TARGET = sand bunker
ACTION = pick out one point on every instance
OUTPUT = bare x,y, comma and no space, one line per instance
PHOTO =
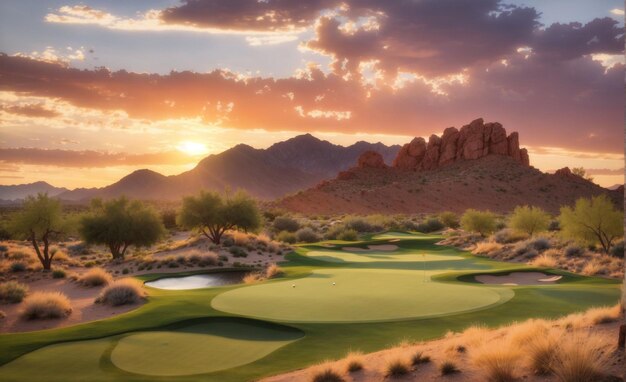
519,278
381,247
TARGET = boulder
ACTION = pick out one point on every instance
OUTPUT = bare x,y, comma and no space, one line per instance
447,152
431,157
371,159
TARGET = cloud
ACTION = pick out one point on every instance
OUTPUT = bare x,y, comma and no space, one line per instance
30,110
617,11
605,171
87,158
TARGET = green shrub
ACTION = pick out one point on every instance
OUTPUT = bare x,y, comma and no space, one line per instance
285,223
12,292
481,222
430,225
238,251
530,220
449,219
359,224
287,237
618,250
17,266
348,235
307,235
573,251
58,273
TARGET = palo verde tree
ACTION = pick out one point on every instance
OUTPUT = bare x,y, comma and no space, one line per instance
40,222
594,220
212,214
120,223
482,222
529,219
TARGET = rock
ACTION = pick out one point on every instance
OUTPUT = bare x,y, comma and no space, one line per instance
345,175
566,173
447,152
371,159
620,189
473,141
431,157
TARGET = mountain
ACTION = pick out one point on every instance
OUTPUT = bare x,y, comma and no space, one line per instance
283,168
478,166
21,191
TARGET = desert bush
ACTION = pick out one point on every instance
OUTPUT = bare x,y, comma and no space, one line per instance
430,225
448,367
397,367
603,315
544,261
58,273
46,305
17,266
358,224
326,374
450,219
237,251
529,219
273,271
227,241
208,259
554,226
486,247
498,363
354,362
12,292
253,277
95,277
618,250
168,218
507,235
241,238
307,235
592,221
348,235
285,223
121,292
579,358
573,251
481,222
540,244
419,358
287,237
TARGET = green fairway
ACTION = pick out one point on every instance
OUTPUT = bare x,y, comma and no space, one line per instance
357,296
418,291
199,348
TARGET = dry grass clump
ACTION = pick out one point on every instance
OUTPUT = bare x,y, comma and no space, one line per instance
95,277
540,351
593,267
521,333
253,277
121,292
487,247
354,361
273,271
544,261
241,239
498,363
203,259
447,367
419,358
46,305
579,358
12,292
397,366
603,315
474,335
325,373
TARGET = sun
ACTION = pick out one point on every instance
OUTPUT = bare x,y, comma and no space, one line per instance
192,148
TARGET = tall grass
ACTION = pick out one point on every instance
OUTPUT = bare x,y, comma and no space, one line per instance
579,358
95,277
498,363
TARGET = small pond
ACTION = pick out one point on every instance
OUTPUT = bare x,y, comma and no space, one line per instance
206,280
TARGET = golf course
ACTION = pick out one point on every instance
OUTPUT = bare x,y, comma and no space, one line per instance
334,297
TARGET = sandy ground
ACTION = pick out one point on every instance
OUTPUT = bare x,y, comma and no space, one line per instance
381,247
444,349
518,278
81,298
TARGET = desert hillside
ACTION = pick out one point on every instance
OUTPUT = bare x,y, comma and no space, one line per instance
477,167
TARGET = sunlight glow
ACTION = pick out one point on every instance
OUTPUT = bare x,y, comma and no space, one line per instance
192,148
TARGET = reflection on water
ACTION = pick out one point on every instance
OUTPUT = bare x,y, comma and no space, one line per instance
198,281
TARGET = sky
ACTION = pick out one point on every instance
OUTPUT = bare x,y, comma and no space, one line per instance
91,91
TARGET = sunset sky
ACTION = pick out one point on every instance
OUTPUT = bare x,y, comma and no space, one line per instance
92,90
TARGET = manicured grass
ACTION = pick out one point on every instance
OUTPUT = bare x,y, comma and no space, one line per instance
95,353
200,347
357,296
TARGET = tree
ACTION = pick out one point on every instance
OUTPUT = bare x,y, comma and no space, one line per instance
482,222
580,171
40,222
212,214
530,220
594,220
120,223
449,219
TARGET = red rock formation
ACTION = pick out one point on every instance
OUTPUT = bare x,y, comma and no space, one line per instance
371,159
473,141
566,173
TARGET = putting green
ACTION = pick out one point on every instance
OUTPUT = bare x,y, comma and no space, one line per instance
358,296
402,236
200,348
372,256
